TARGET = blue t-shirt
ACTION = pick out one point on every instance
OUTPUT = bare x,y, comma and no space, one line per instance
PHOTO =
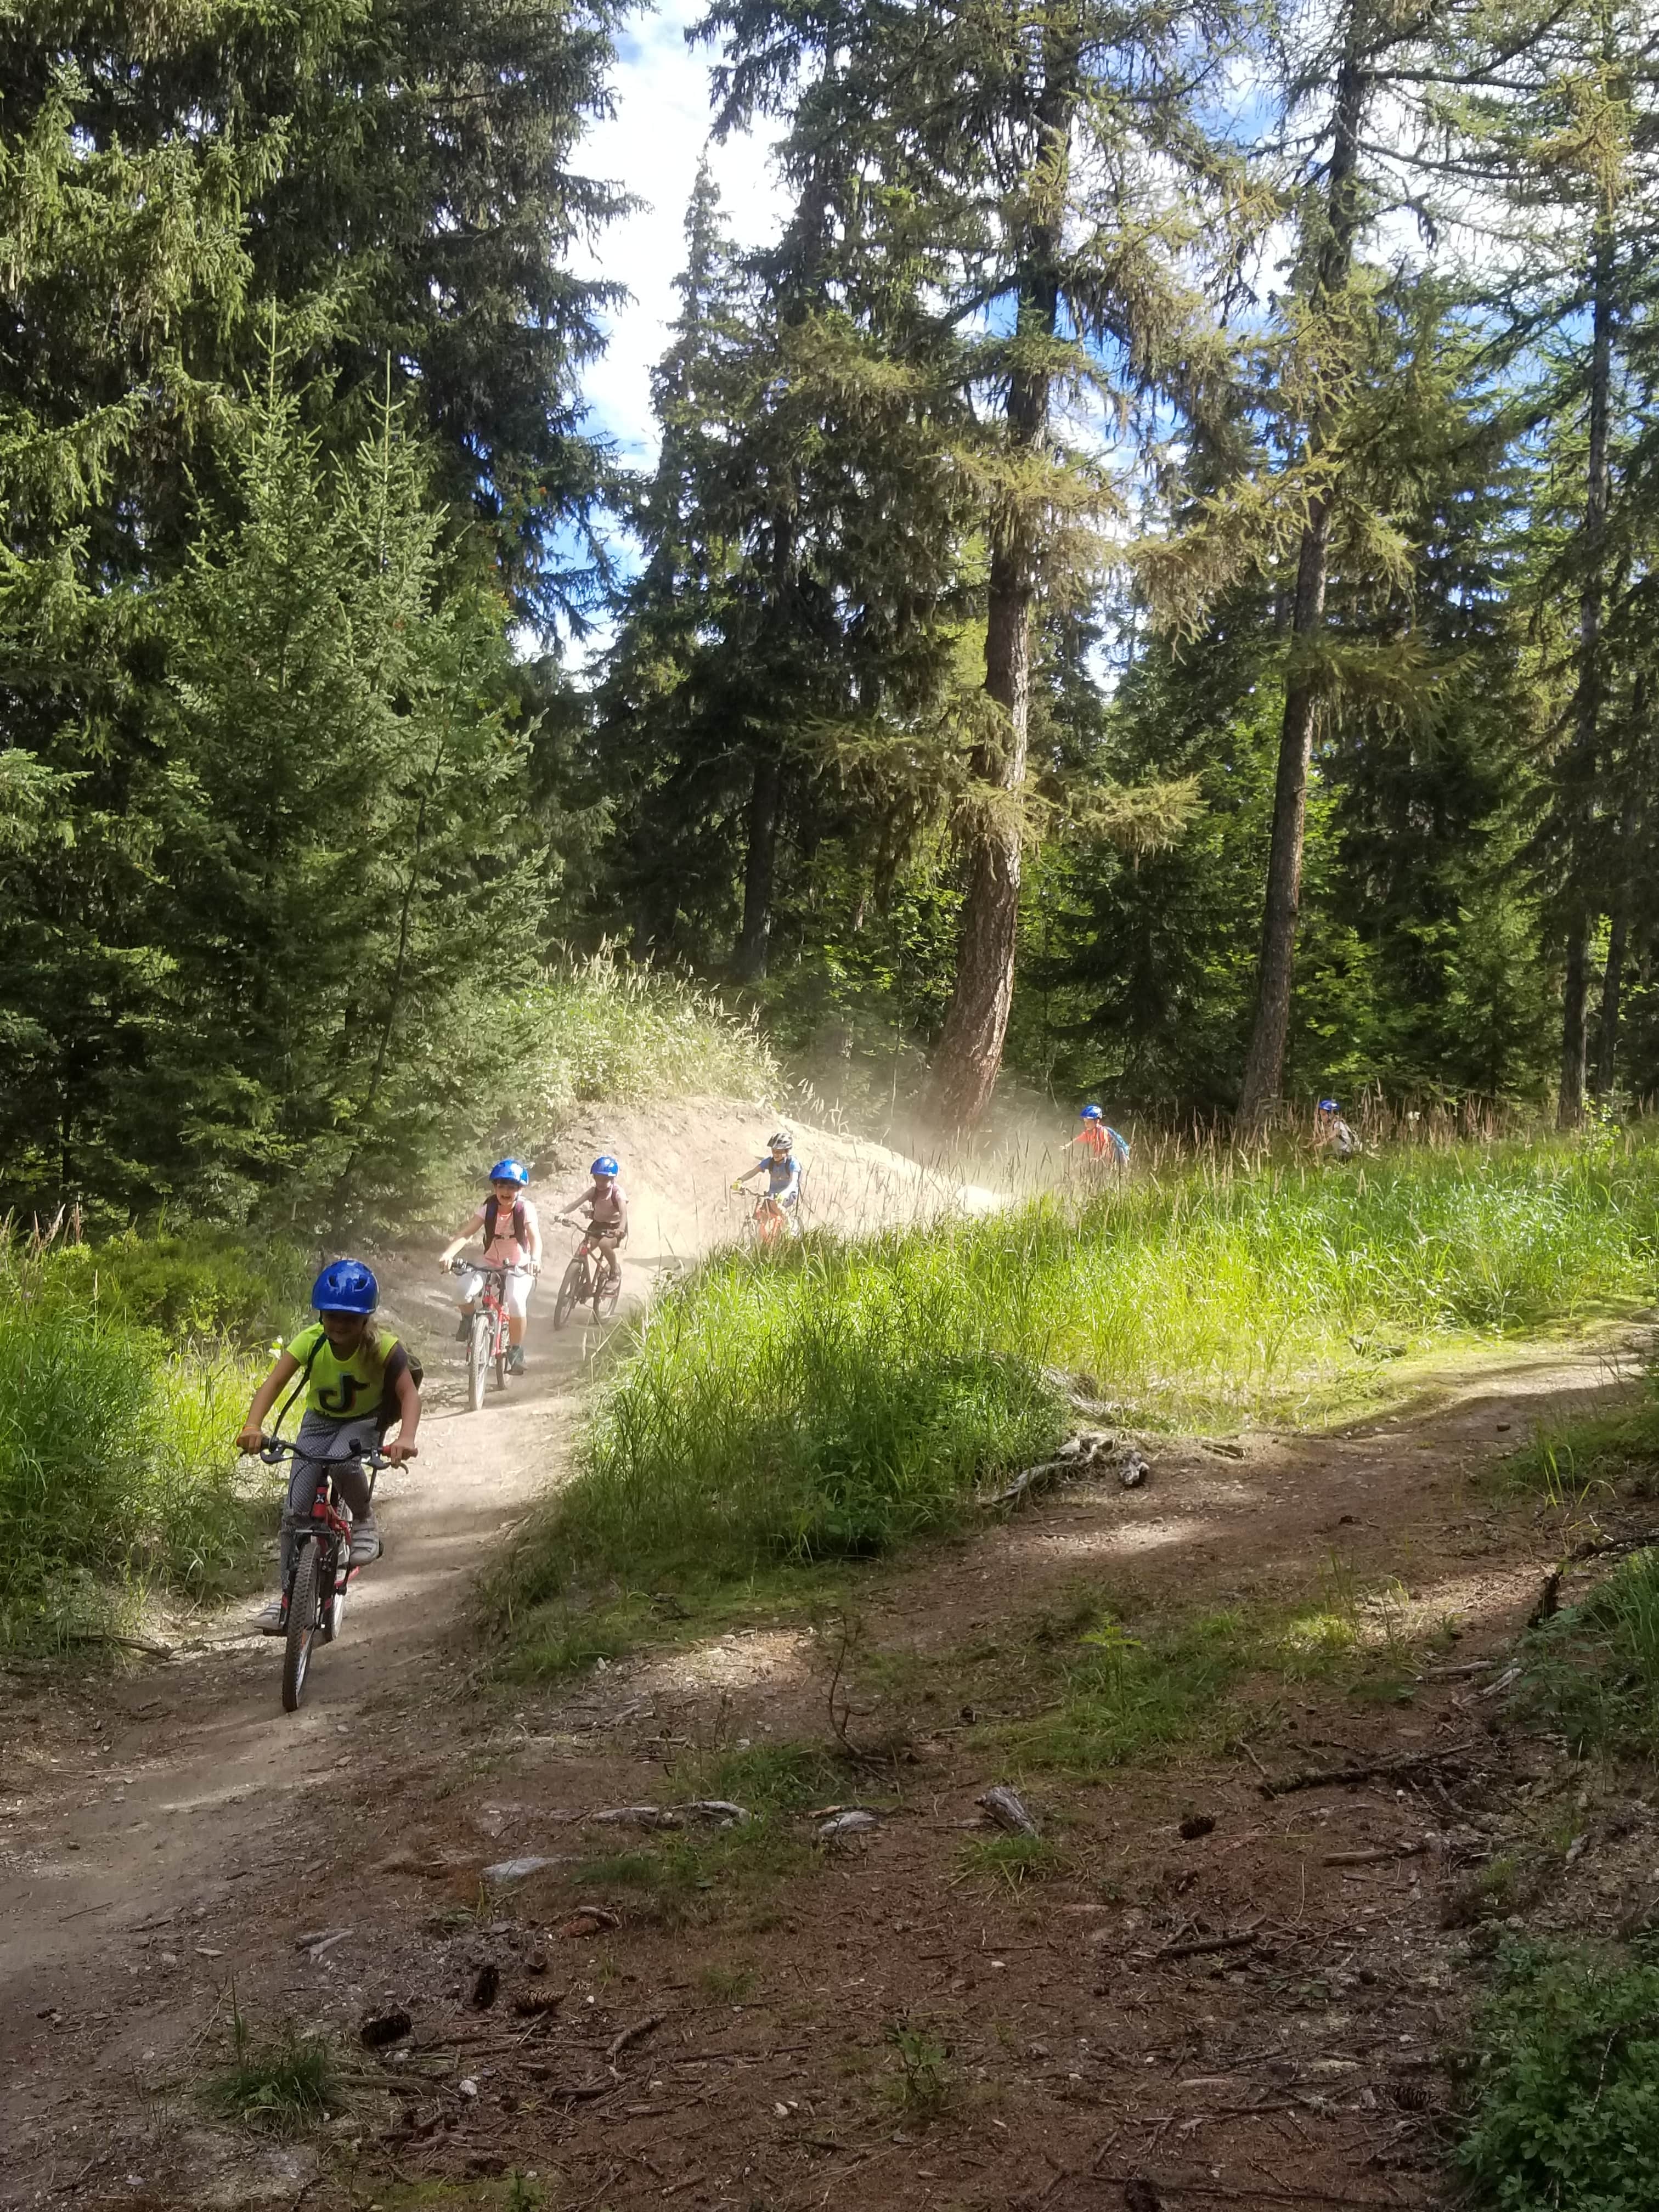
782,1177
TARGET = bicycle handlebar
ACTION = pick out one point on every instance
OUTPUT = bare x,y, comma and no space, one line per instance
274,1449
490,1267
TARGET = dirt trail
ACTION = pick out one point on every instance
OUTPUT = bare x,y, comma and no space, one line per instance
123,1798
171,1827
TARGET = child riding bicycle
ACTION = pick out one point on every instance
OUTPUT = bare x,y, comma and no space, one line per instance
357,1382
607,1216
511,1238
782,1172
1099,1139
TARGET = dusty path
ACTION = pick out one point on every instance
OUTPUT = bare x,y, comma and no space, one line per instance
123,1795
171,1829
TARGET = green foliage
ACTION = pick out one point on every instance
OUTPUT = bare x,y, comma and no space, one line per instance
1565,2095
1592,1672
924,2084
286,2084
205,1286
841,1397
1125,1696
115,1465
1011,1859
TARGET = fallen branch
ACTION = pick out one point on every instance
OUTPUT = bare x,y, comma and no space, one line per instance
1198,1945
1375,1856
1321,1777
128,1643
620,2041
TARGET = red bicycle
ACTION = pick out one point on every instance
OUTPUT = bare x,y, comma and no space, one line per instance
320,1572
586,1278
487,1340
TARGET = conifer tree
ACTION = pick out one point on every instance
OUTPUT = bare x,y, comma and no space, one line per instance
1028,192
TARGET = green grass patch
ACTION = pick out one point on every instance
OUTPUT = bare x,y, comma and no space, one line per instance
285,2084
1592,1672
1011,1859
1568,1461
116,1470
1565,2089
695,1873
834,1402
1124,1697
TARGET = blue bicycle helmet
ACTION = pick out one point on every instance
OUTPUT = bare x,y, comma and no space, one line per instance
345,1287
604,1165
1330,1106
510,1171
1089,1114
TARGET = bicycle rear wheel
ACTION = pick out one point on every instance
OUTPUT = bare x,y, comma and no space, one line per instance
304,1618
573,1287
478,1360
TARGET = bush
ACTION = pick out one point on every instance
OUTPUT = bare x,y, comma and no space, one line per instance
1565,2105
205,1286
115,1460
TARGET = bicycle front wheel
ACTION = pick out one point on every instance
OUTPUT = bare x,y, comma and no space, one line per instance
573,1287
478,1360
304,1616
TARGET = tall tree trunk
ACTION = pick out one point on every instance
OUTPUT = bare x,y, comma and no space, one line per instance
1613,983
1264,1064
969,1053
1578,799
760,868
970,1049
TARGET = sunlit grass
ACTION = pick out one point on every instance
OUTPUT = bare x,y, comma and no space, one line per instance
838,1399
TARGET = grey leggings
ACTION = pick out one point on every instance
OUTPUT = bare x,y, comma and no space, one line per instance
322,1448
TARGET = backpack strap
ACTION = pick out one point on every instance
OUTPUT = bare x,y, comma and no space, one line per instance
304,1378
492,1214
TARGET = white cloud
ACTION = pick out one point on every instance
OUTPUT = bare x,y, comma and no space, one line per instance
651,148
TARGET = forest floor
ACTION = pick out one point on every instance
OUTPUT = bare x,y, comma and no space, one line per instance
1187,1991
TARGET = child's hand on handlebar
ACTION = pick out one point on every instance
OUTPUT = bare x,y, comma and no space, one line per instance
398,1451
249,1438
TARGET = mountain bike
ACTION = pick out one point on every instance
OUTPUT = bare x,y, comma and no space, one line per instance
487,1340
768,1225
586,1279
320,1572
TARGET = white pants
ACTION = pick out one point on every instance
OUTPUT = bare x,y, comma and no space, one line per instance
519,1281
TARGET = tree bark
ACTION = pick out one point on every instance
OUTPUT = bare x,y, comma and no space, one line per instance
1579,795
969,1053
1264,1065
760,869
1612,981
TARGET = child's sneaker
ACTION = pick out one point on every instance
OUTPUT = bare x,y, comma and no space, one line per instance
272,1619
365,1541
515,1360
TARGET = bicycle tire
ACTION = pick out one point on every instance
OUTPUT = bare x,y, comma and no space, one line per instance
302,1625
478,1361
570,1289
606,1292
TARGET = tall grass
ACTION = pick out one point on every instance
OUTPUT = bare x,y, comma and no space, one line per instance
842,1396
602,1028
116,1467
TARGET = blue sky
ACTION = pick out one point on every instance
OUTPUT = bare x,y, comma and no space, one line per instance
651,148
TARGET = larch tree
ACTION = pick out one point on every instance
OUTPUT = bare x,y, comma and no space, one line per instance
1032,180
